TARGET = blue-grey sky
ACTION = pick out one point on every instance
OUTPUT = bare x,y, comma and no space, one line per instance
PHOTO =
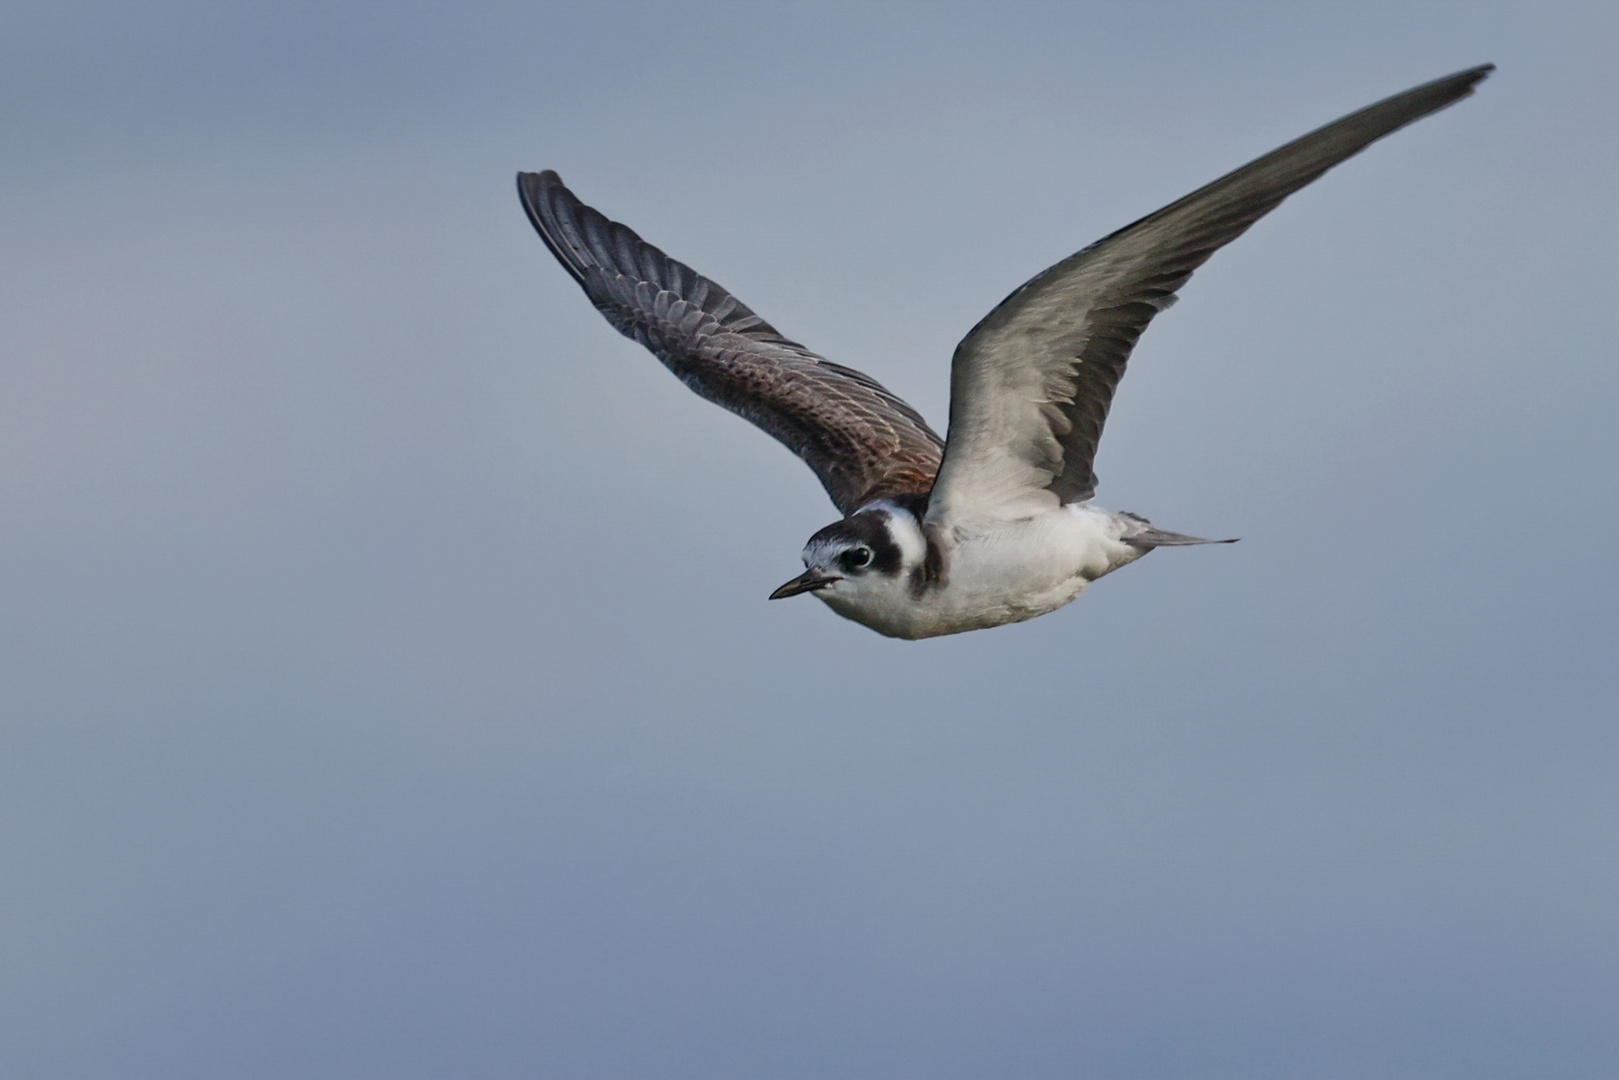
387,687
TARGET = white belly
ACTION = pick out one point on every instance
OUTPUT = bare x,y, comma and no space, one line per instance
1008,573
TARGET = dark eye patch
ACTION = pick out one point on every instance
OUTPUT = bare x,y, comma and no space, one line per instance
865,538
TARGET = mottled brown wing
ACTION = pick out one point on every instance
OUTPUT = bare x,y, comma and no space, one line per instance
1031,383
861,440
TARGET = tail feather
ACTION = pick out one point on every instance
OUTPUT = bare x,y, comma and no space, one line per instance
1147,536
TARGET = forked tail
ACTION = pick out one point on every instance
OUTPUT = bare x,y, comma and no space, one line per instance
1146,536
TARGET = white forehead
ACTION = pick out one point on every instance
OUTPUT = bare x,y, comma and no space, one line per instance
825,550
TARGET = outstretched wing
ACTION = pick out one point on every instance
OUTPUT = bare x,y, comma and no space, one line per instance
1030,385
861,440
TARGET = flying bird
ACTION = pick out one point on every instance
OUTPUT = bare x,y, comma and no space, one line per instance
993,524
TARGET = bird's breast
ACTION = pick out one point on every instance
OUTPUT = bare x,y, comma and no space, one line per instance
996,575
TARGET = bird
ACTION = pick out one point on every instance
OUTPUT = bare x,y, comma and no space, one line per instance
995,523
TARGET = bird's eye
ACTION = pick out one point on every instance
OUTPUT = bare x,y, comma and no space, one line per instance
856,558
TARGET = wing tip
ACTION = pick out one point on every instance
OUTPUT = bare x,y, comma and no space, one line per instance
551,209
1452,88
532,189
538,181
1470,78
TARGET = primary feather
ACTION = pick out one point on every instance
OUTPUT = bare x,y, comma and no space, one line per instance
1030,385
860,439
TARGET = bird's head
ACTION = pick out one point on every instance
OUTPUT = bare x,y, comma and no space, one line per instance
867,556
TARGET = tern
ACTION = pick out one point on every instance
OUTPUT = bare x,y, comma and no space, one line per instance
995,523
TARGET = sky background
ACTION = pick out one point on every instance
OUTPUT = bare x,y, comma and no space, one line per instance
387,687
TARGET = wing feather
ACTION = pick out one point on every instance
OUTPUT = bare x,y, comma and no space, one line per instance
1031,384
863,441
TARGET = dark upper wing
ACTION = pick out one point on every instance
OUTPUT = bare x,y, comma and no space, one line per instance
1031,383
862,441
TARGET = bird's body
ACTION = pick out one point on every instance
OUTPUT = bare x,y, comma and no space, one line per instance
1004,572
994,525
